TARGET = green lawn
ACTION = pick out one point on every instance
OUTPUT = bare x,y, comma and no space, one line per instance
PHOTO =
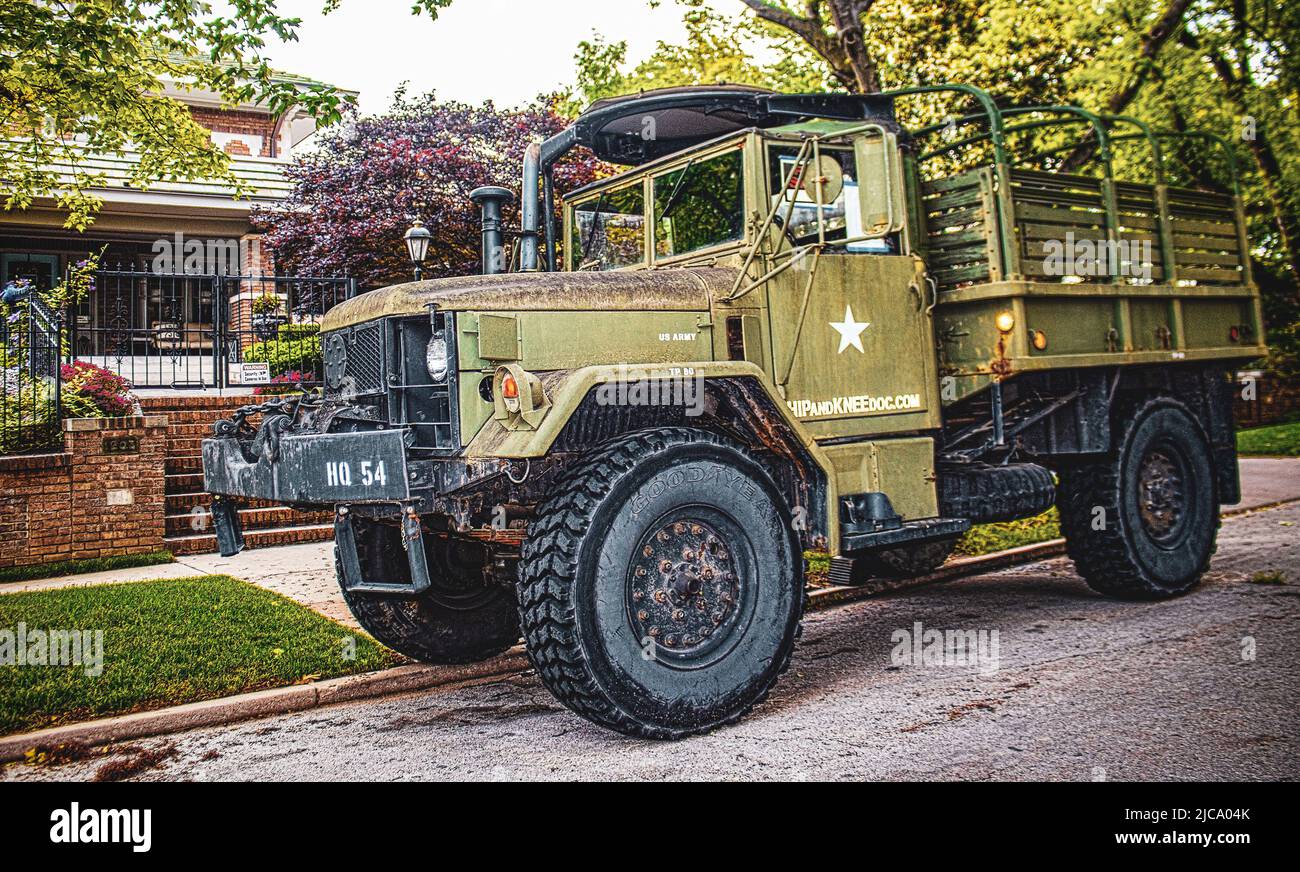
169,642
987,538
77,567
1276,439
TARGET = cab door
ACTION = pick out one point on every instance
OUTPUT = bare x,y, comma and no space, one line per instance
852,339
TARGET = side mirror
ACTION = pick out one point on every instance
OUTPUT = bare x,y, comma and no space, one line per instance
880,184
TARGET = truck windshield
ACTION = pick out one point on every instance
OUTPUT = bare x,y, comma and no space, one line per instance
609,230
700,205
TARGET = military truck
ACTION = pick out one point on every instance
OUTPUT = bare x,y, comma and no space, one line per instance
789,325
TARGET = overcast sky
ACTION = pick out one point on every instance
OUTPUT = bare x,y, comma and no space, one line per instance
506,50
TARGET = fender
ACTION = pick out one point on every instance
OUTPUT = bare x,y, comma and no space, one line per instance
565,390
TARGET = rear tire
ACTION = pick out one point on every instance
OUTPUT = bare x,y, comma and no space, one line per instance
1141,525
661,587
462,618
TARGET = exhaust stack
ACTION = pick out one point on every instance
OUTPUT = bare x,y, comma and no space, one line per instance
490,199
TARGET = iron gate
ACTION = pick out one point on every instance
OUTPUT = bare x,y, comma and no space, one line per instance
205,331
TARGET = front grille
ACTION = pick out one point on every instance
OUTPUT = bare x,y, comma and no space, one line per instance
366,357
381,364
354,360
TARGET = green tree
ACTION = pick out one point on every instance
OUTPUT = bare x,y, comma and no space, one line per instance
718,49
87,77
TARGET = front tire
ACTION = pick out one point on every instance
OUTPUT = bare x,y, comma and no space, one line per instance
1141,525
461,618
661,587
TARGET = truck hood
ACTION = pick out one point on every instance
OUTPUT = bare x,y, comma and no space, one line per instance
637,290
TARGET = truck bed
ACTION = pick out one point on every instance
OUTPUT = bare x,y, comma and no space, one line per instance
1176,286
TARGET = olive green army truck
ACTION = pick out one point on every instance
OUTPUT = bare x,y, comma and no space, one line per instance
790,325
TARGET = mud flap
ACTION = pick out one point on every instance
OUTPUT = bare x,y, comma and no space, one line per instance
350,566
225,522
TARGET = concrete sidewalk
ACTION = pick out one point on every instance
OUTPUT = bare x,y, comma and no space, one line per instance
305,573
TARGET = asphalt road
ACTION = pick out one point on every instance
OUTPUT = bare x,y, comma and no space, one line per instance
1203,687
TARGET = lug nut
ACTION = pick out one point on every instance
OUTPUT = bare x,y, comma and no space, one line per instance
642,615
660,596
679,615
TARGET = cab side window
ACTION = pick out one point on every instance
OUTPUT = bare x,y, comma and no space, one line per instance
609,230
842,218
700,205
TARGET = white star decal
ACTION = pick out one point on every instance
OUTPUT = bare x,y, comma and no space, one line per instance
850,331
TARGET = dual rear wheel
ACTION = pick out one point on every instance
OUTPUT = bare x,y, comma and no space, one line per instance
1141,524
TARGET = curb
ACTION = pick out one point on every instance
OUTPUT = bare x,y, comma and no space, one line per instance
260,704
411,678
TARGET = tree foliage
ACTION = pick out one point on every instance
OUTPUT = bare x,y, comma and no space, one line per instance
717,50
357,193
87,77
1227,67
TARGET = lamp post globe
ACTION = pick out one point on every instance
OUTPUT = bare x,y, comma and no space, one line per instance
417,244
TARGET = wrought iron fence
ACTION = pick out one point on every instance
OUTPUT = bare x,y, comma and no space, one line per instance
205,331
30,363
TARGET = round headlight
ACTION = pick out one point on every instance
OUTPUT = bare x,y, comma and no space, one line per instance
435,357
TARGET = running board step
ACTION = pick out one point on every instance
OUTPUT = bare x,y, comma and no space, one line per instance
350,566
907,533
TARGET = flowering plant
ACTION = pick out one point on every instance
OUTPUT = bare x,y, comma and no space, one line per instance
91,391
288,383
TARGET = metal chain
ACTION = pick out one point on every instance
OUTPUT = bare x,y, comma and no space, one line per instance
237,424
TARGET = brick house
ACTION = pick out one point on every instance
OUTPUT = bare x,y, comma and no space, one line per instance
131,485
135,225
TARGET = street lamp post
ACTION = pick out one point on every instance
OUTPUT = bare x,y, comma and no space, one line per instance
417,244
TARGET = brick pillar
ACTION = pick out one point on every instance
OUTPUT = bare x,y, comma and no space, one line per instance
101,496
255,261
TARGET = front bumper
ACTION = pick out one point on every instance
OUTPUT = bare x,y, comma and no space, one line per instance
320,468
312,468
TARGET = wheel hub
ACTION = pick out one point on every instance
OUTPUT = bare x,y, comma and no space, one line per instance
683,588
1161,498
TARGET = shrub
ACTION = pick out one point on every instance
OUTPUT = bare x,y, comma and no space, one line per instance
91,391
289,383
267,304
296,347
27,419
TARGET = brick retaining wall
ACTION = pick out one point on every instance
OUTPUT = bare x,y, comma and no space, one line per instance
102,496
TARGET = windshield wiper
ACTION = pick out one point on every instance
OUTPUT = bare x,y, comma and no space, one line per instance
671,202
591,234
